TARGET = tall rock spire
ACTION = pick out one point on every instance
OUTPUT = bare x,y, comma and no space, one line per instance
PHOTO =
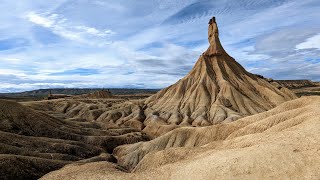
213,32
215,47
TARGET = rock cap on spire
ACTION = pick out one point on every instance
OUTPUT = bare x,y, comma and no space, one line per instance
212,20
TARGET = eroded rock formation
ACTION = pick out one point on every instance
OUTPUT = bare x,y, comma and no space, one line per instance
217,89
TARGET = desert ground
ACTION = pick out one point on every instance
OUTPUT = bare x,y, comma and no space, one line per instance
218,122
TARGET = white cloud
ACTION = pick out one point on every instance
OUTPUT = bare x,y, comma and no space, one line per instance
60,26
312,42
11,60
15,72
42,21
94,31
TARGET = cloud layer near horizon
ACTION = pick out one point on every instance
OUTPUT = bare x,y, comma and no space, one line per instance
150,43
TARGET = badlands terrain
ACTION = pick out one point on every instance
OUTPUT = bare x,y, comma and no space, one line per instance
218,122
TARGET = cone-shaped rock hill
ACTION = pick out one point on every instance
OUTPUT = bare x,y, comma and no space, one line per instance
217,89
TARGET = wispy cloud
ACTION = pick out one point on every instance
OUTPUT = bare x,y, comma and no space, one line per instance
62,27
310,43
47,22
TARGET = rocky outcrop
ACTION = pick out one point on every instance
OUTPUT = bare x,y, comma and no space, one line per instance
217,89
97,95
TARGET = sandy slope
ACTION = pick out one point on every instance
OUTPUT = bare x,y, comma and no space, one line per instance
282,143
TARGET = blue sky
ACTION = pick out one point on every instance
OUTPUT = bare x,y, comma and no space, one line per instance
150,43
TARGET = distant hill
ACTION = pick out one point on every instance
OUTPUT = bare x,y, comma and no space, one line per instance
293,84
76,91
41,93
